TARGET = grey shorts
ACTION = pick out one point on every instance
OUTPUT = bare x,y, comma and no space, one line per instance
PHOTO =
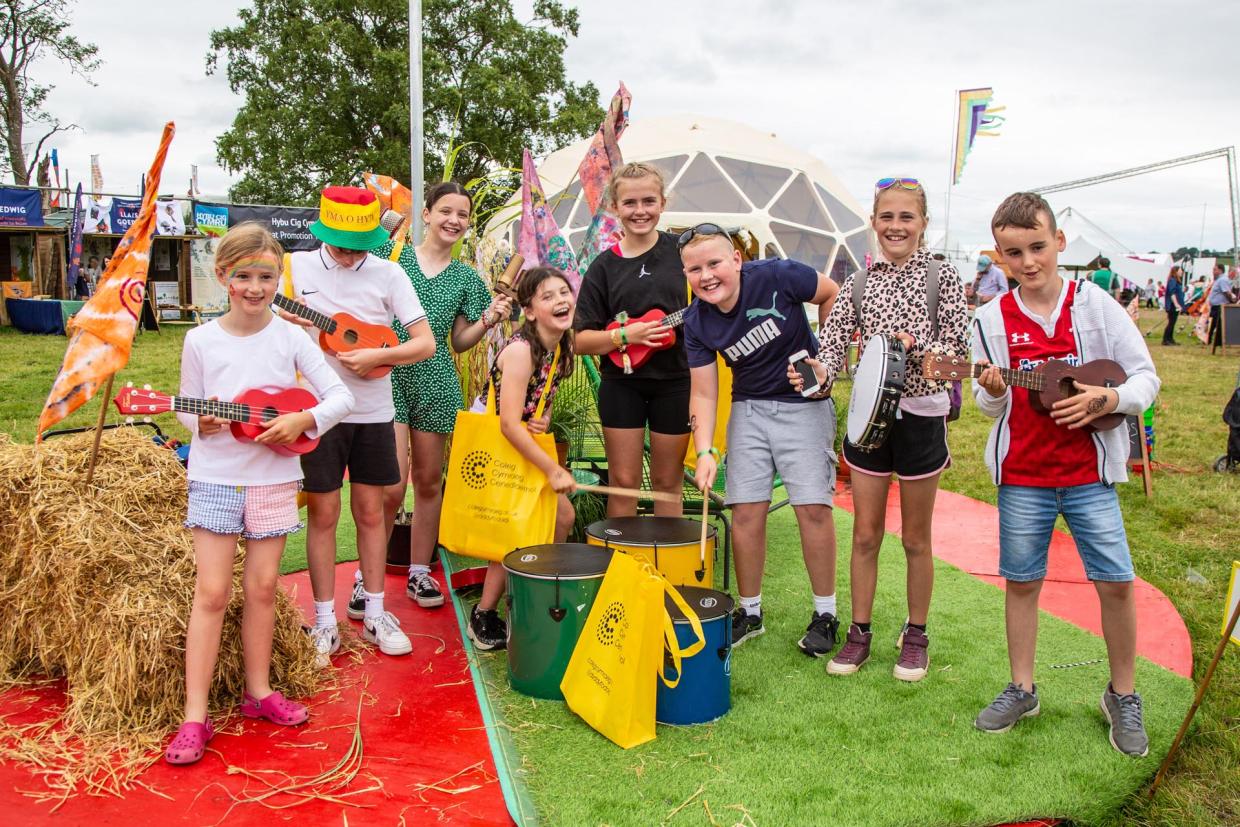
793,439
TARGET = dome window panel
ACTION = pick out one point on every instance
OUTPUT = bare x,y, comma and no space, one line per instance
798,204
845,218
759,182
668,166
859,247
844,266
810,248
771,251
562,203
703,189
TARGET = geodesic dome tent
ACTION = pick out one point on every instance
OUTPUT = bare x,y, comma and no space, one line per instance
729,174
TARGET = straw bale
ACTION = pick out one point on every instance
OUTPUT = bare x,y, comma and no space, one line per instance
96,587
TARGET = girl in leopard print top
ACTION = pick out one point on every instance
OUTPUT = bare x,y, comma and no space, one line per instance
895,304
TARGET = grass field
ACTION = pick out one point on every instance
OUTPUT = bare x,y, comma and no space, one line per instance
1193,520
863,750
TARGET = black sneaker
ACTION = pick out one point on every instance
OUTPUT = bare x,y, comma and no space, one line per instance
745,626
424,589
357,602
820,635
487,630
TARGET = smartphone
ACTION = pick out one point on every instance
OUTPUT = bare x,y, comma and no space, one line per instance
810,381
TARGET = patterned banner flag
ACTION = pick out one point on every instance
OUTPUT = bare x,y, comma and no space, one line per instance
392,195
96,177
541,242
974,117
56,170
193,181
76,226
601,159
105,326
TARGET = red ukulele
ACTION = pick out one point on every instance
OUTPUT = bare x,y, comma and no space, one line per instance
1050,382
246,412
638,355
342,332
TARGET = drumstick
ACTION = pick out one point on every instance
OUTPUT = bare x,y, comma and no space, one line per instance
661,496
705,514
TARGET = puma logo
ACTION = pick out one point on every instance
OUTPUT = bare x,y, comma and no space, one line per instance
643,271
750,315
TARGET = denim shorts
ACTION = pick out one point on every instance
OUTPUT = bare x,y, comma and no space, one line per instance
793,439
1027,518
256,512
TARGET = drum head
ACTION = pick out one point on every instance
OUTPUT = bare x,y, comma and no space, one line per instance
648,531
867,383
559,561
707,604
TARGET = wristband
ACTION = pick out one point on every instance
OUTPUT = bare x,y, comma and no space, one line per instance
487,324
615,337
624,336
712,450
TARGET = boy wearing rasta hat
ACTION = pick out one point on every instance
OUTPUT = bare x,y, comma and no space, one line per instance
341,276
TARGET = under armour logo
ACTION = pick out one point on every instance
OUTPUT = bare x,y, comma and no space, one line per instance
1020,338
643,271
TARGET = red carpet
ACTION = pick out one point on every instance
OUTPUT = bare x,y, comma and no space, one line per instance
966,534
420,726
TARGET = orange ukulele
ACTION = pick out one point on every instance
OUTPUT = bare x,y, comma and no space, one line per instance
638,355
342,332
246,413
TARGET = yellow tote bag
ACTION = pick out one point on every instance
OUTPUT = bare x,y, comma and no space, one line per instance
495,500
610,679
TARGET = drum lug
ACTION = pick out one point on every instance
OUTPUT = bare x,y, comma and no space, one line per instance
557,611
722,652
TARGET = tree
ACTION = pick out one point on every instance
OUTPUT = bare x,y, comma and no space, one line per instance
326,84
29,30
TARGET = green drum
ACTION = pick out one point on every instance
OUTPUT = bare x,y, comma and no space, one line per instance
551,589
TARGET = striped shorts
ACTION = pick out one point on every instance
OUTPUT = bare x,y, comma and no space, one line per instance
256,512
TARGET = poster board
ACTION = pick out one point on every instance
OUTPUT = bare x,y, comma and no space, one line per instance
1230,318
1233,595
205,290
167,299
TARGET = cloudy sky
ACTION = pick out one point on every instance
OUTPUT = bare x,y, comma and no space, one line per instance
1090,88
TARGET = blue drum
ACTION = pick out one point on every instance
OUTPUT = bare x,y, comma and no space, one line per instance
705,689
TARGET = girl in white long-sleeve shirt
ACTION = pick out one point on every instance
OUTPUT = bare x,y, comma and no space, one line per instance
242,488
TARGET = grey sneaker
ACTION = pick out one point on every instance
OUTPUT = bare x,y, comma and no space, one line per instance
1123,713
1006,710
357,601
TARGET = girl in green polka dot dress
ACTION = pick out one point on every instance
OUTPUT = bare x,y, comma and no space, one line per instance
427,395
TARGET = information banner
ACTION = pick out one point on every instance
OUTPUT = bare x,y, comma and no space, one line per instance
124,213
289,225
20,208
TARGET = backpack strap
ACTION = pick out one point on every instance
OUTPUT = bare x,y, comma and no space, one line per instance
858,293
932,296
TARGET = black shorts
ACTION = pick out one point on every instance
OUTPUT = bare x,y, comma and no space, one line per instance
663,404
915,448
367,449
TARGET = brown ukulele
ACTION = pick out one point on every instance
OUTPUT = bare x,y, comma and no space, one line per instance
1047,384
343,332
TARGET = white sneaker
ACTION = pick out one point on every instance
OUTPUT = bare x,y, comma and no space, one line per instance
384,632
327,642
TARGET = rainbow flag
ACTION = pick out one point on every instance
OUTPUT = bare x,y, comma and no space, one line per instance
105,326
975,117
541,242
602,158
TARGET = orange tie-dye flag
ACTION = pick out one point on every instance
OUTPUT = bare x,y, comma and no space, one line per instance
104,328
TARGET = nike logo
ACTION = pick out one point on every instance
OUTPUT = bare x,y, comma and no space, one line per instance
308,292
750,315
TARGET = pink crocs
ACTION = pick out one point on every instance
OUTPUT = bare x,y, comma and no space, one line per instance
190,742
275,708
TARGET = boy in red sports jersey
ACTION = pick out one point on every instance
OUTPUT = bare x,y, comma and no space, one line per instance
1050,465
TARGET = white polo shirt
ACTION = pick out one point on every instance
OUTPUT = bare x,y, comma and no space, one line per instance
375,291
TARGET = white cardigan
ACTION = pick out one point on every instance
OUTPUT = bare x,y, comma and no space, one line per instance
1103,330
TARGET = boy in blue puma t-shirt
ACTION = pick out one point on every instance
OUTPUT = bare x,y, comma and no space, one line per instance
752,314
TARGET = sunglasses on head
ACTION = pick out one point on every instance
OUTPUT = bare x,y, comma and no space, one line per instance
903,183
701,229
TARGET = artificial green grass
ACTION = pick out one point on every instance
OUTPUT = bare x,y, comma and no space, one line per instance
800,747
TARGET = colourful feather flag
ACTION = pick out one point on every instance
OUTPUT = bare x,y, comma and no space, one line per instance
392,195
76,226
96,177
56,169
541,243
105,326
602,158
975,117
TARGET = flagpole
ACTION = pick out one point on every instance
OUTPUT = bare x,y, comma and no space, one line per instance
416,185
951,173
103,412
